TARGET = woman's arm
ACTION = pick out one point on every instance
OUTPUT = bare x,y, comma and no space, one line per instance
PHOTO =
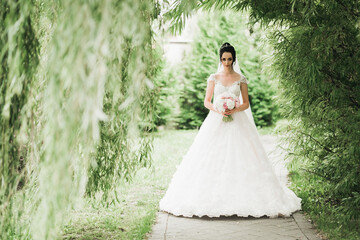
245,97
207,101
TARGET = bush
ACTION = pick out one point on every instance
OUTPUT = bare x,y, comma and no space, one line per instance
165,84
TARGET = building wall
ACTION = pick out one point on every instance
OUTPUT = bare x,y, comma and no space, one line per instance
176,46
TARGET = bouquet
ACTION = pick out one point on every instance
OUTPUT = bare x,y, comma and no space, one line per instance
226,101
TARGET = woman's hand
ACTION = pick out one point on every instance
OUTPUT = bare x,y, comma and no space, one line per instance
229,112
222,113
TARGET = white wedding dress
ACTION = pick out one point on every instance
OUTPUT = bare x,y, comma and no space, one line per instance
227,172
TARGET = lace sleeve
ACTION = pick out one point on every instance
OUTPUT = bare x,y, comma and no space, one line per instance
243,79
211,78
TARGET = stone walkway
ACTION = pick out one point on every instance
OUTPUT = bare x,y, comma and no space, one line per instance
296,227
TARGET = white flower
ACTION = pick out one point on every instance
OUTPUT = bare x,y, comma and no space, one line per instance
219,106
222,99
230,103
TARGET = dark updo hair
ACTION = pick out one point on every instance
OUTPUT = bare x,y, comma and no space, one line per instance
226,47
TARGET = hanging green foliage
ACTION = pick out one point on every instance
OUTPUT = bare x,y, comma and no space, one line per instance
129,101
19,60
76,73
90,99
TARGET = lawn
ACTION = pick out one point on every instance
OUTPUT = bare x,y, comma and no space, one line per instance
133,217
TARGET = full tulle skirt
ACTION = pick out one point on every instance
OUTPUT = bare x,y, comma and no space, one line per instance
226,171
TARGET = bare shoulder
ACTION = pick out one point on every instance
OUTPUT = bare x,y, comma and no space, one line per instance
237,76
216,75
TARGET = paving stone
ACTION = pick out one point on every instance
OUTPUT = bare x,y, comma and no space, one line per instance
222,229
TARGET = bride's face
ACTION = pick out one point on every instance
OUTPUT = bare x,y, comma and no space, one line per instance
227,60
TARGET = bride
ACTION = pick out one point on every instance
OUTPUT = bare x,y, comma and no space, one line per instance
226,170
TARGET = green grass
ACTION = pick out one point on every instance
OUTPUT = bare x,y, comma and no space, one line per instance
134,216
266,130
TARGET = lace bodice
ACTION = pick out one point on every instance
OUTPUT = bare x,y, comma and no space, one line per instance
220,88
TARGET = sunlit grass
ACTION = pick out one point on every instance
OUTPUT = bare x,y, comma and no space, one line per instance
134,216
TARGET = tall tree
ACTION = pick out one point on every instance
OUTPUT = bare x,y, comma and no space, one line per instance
88,104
